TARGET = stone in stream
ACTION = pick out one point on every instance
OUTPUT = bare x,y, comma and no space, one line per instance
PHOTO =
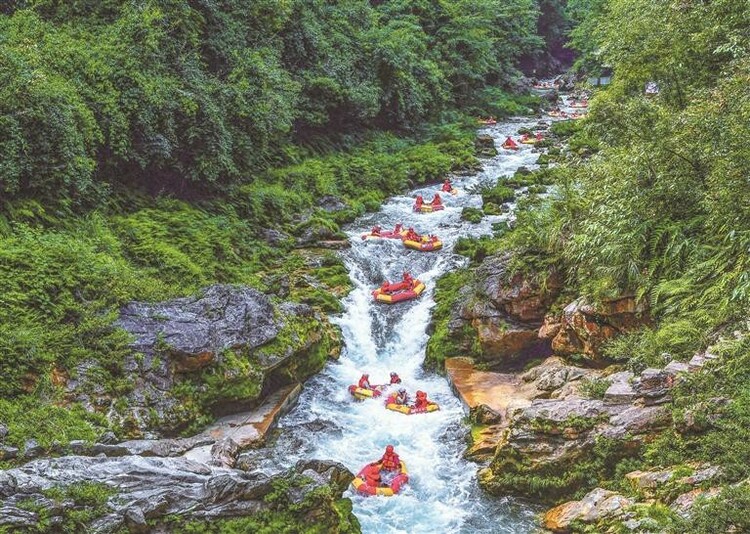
484,145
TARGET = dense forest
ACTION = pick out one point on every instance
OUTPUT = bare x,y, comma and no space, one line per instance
201,96
653,203
147,149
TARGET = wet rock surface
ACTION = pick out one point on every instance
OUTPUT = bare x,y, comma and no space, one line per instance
505,311
224,331
148,480
147,489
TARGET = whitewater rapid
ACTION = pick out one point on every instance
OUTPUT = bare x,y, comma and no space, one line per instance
442,494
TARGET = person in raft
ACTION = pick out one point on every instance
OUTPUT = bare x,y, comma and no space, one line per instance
447,186
397,228
364,381
408,279
399,397
421,402
436,201
385,287
390,460
372,475
539,136
395,379
419,201
509,142
411,235
433,238
376,230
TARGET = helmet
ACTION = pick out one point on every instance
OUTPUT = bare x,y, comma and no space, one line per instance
365,375
389,448
393,373
402,391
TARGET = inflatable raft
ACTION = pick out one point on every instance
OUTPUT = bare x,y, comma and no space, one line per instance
486,122
579,105
399,292
364,393
389,490
410,410
557,114
528,141
508,146
428,208
424,244
383,235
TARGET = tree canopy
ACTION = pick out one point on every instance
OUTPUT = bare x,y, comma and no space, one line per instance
202,95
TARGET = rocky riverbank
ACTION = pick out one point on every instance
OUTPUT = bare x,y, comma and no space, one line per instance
558,428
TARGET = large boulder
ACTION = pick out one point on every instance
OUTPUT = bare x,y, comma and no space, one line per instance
596,505
485,146
195,330
584,328
144,491
498,314
193,357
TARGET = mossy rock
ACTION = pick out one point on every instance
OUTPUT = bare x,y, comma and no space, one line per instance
472,215
492,209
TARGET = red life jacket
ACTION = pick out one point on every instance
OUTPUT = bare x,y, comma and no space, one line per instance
390,461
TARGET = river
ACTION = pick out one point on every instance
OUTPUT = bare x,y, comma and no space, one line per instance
442,494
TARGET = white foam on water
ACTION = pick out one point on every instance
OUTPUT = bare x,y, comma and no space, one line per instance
442,494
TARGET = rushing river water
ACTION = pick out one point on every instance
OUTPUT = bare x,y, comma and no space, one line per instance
442,494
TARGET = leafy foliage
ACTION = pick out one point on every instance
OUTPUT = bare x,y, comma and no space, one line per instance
198,97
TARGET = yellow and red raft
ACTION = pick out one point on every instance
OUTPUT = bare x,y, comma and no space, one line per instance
410,410
399,292
423,244
364,393
383,234
428,208
387,490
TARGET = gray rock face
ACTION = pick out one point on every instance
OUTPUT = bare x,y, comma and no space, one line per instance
152,488
223,317
3,432
619,392
32,449
176,340
8,453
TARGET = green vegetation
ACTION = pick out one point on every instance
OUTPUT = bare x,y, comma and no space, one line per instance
78,504
148,150
196,98
473,215
442,343
659,212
